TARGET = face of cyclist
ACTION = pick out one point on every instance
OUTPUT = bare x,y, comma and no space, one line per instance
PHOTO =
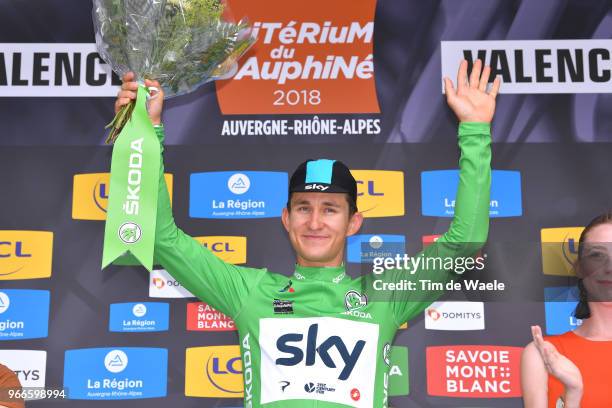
318,225
595,266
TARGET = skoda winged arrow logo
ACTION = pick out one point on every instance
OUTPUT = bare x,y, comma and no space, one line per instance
354,300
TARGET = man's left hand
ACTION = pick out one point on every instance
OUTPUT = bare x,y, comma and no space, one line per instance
470,101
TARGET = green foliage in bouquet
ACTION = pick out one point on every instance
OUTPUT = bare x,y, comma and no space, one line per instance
180,43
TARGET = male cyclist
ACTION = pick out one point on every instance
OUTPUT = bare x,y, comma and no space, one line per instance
301,341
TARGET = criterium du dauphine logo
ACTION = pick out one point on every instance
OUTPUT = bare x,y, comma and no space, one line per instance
239,183
116,361
130,233
4,302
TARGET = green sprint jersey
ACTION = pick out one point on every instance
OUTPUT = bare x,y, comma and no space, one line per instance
318,338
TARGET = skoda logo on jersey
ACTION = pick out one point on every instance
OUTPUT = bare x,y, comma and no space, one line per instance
354,300
239,183
116,361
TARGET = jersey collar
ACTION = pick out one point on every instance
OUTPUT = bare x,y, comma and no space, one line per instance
334,274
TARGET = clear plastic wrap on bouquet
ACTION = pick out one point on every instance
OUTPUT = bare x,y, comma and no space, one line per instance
181,43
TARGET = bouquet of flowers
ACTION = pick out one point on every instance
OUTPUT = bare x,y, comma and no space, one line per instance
181,43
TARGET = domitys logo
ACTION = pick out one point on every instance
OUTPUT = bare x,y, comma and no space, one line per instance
310,57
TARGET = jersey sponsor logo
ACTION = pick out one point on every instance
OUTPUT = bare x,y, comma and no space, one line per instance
282,306
287,288
466,371
439,189
116,373
24,314
25,254
29,365
213,372
53,69
203,317
90,195
559,305
542,66
163,285
237,195
455,316
139,317
364,248
560,250
228,248
315,57
330,351
380,193
354,300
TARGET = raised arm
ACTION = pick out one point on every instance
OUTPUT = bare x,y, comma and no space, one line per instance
474,107
221,284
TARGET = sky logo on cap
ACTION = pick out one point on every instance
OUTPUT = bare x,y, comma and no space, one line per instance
25,254
90,195
439,189
116,373
560,250
139,317
364,248
213,372
235,195
24,314
559,305
380,193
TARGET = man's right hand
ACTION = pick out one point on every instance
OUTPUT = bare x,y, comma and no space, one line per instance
128,93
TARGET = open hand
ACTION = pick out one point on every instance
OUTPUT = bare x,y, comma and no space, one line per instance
129,90
556,363
470,101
